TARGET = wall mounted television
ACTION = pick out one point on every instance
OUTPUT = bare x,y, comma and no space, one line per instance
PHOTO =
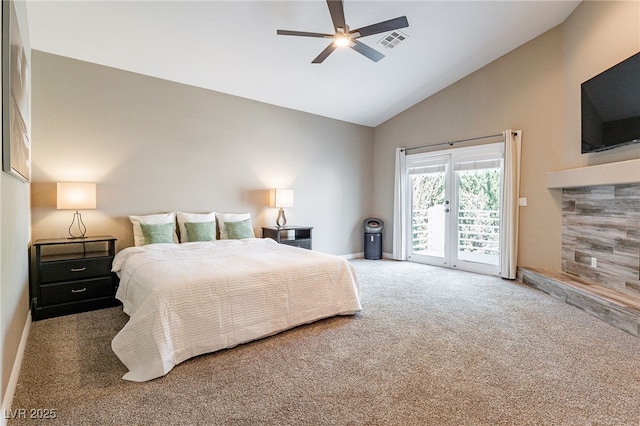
611,107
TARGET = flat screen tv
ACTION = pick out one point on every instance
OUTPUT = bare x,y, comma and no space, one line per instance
611,107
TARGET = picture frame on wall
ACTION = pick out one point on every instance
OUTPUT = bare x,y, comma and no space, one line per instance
16,97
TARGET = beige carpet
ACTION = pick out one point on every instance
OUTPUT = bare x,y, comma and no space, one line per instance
431,346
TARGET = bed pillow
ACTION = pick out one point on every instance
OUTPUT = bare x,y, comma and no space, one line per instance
222,218
239,230
158,233
151,219
193,218
199,231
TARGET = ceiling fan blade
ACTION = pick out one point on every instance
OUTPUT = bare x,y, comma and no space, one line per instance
381,27
337,15
365,50
303,34
323,55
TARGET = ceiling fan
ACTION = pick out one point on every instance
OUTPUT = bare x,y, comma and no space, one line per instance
345,37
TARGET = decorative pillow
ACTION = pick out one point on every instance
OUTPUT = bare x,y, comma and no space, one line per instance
200,231
222,218
158,233
193,218
151,219
238,230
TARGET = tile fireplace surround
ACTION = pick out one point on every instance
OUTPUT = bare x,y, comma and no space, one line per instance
601,224
600,244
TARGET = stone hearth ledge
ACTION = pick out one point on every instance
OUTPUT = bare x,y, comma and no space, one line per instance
615,308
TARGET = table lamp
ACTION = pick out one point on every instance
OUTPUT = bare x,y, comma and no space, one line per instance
281,198
76,196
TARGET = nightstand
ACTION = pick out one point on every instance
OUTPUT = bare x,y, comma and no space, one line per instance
297,236
71,275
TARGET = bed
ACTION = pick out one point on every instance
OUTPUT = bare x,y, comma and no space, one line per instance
189,299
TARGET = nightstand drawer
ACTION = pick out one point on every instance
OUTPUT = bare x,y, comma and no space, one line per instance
68,270
305,244
77,290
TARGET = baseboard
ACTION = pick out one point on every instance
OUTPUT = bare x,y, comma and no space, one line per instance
7,401
353,255
360,255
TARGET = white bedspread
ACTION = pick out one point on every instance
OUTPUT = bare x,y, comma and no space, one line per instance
189,299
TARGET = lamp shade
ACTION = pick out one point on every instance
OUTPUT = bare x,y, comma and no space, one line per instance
281,198
76,196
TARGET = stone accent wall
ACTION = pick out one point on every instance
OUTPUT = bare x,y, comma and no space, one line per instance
603,222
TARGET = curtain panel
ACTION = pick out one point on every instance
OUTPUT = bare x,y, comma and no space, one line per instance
400,207
510,210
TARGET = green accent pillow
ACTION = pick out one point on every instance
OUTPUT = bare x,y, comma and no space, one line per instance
200,231
238,230
158,233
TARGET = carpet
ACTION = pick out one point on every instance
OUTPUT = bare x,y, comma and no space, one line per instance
431,346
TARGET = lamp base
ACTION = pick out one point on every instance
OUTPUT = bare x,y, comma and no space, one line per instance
80,224
281,218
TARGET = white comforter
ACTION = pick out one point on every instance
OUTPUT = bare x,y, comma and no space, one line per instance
188,299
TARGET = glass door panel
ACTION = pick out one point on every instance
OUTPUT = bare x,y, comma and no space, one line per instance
454,211
429,218
478,216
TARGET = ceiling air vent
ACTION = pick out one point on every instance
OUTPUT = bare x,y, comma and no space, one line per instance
393,39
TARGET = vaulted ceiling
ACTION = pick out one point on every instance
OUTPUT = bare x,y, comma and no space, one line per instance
232,46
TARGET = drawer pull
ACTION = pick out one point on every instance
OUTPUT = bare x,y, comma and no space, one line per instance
79,291
78,269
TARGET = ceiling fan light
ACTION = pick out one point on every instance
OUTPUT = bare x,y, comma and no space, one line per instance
342,40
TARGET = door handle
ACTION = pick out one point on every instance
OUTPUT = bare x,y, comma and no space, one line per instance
79,291
446,210
78,269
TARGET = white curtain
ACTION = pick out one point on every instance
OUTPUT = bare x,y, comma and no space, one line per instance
399,207
510,209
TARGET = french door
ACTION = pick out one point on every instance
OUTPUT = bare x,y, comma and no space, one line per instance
453,214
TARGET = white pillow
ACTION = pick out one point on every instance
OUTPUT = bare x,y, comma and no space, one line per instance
221,218
193,218
150,219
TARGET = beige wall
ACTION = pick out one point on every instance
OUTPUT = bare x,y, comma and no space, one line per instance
14,275
14,242
534,88
154,146
598,35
